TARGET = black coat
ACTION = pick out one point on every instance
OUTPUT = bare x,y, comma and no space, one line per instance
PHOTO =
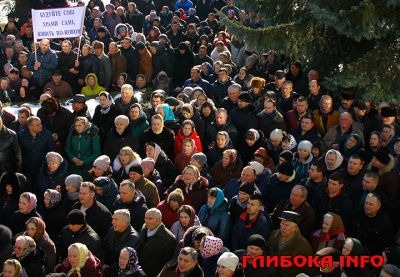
19,219
9,203
104,121
85,235
88,64
10,152
98,217
115,142
166,140
166,169
219,91
161,61
132,61
125,108
213,129
55,219
33,263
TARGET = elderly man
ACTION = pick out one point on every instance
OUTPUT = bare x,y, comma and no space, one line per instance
96,214
185,265
126,100
297,202
144,185
287,241
157,243
60,88
230,102
10,152
232,187
68,64
338,134
120,235
133,200
222,123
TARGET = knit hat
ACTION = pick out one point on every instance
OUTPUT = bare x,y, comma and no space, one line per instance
123,119
305,144
286,168
54,157
104,183
252,59
382,156
259,168
75,217
245,97
110,6
136,168
74,180
140,45
257,82
177,196
172,101
149,163
276,134
247,187
256,240
102,162
287,155
228,260
201,158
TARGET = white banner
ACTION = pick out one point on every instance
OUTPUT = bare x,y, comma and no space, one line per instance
58,23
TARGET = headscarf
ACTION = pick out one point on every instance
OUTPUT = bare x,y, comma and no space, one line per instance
139,106
162,125
133,263
17,266
32,201
194,148
211,247
339,159
40,227
144,78
157,150
323,98
55,198
232,155
168,113
192,215
255,132
30,246
218,200
110,102
200,230
357,249
336,228
85,122
190,108
228,139
350,151
83,256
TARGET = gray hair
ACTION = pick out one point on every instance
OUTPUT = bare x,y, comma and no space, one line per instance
235,86
304,191
127,86
128,183
157,213
125,215
189,251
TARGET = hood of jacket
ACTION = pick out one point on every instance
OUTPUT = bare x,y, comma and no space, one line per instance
160,49
10,178
117,164
96,81
389,167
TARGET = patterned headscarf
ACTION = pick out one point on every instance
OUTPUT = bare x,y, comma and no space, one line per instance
30,246
40,227
211,246
109,99
83,256
133,263
55,198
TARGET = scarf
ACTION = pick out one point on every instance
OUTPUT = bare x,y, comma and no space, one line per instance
30,246
218,200
249,223
255,132
32,202
339,159
161,129
40,227
83,256
192,217
211,246
110,102
55,198
133,263
200,230
191,153
269,116
323,98
157,151
335,229
73,196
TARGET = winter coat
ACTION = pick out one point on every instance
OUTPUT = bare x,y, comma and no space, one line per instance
61,90
108,198
105,71
302,168
219,91
65,63
196,196
166,169
34,150
222,175
89,91
132,61
85,235
10,151
9,203
60,123
115,142
217,220
169,216
332,119
146,64
155,178
139,126
241,234
92,267
46,180
137,208
88,64
247,152
84,146
113,245
120,172
311,135
19,219
336,242
111,21
178,230
55,219
149,191
262,180
183,64
278,190
104,121
47,245
170,268
214,128
162,242
49,62
135,20
215,154
118,65
161,61
165,140
33,264
181,160
332,133
98,217
199,127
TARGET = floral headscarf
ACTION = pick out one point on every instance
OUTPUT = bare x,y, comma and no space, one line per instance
211,246
55,198
83,256
133,263
30,246
40,227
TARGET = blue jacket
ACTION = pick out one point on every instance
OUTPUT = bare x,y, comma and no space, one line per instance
49,62
186,5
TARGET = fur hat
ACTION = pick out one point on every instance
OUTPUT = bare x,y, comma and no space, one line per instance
54,157
257,82
102,162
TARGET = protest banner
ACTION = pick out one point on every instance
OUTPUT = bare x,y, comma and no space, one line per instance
58,23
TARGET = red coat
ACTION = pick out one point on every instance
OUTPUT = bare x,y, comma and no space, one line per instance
169,217
92,267
179,138
181,161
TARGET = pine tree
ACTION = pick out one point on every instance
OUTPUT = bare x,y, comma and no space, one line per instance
351,43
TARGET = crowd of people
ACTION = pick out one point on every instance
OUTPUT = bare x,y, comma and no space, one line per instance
237,155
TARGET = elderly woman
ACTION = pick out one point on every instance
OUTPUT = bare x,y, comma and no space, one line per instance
138,121
187,131
36,229
193,186
119,136
331,234
128,264
81,262
27,209
104,115
82,147
52,174
31,257
12,268
124,160
187,218
333,161
352,248
325,117
161,135
222,142
53,213
189,148
228,167
169,119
